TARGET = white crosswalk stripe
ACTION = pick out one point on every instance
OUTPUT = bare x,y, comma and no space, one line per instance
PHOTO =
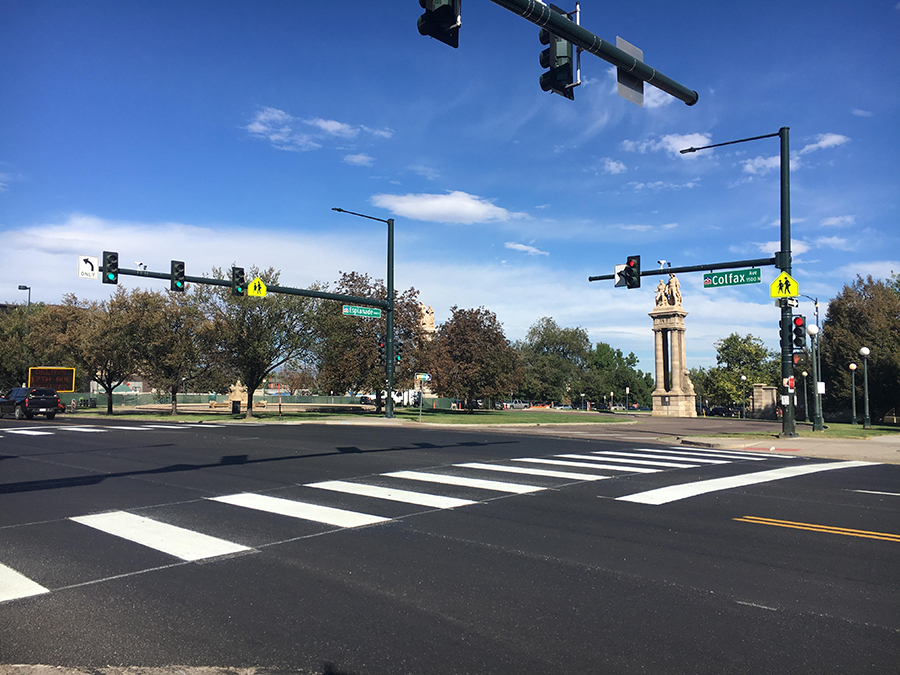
630,466
29,432
652,455
595,464
569,475
405,496
14,585
301,510
176,541
462,481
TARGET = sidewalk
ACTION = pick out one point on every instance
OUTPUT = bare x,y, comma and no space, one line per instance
884,449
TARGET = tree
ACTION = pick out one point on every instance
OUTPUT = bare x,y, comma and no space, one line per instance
865,313
347,351
553,358
737,356
254,336
107,342
471,358
174,329
14,353
609,370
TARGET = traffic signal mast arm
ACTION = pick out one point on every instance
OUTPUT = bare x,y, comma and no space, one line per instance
370,302
563,27
695,268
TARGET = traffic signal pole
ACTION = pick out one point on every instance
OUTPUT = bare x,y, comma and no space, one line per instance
561,26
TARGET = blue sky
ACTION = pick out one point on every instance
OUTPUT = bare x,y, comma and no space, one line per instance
224,132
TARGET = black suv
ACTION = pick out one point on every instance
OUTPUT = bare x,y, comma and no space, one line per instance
25,403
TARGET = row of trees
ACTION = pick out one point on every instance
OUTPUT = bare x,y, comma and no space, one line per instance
205,339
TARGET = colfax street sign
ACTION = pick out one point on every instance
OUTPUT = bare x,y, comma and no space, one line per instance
372,312
735,278
784,286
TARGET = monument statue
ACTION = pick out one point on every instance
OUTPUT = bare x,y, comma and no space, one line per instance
427,320
674,393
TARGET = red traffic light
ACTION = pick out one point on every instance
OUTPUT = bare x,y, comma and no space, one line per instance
799,321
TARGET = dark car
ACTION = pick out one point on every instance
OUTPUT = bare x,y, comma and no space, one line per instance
719,411
25,403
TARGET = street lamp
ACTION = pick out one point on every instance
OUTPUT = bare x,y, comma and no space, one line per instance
853,393
805,398
743,398
782,262
813,332
23,287
864,352
389,341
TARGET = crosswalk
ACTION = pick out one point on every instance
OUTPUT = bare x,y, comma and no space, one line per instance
47,430
335,505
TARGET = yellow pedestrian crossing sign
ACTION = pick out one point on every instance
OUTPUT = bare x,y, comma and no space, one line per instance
784,286
256,288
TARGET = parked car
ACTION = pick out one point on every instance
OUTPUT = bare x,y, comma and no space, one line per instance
25,403
519,405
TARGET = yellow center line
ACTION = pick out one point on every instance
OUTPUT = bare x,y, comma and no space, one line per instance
827,529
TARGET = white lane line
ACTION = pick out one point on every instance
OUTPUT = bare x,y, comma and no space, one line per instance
649,454
85,430
667,465
571,475
130,428
677,492
876,492
14,585
301,510
163,426
185,544
461,481
735,453
29,432
405,496
595,464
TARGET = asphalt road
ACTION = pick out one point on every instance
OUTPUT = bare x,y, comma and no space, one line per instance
285,548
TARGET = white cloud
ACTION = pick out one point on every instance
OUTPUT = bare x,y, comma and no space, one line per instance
656,98
861,113
770,247
278,127
453,207
663,185
839,221
334,128
4,181
611,166
824,141
839,243
359,160
670,143
530,250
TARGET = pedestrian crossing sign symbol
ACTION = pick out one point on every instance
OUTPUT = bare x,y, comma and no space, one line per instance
256,288
784,286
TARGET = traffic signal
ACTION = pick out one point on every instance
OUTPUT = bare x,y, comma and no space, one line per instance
176,276
801,360
398,351
632,271
441,20
799,331
382,352
110,267
238,286
557,58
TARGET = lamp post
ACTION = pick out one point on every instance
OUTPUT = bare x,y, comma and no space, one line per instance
23,287
853,393
743,398
389,341
813,332
782,262
864,352
805,398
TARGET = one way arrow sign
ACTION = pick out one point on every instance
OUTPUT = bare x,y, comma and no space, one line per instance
88,267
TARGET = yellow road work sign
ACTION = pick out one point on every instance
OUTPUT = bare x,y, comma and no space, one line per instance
784,286
256,288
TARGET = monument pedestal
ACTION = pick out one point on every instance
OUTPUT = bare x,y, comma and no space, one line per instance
674,393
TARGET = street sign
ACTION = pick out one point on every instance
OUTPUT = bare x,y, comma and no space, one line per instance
784,286
257,288
425,377
620,279
88,267
732,278
372,312
61,379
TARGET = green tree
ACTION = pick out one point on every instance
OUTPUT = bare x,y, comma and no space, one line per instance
471,358
865,313
347,350
14,351
610,370
255,336
553,358
737,356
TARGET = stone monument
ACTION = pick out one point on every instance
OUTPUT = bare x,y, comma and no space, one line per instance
674,392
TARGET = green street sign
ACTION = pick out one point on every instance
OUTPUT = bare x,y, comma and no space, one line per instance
372,312
732,278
